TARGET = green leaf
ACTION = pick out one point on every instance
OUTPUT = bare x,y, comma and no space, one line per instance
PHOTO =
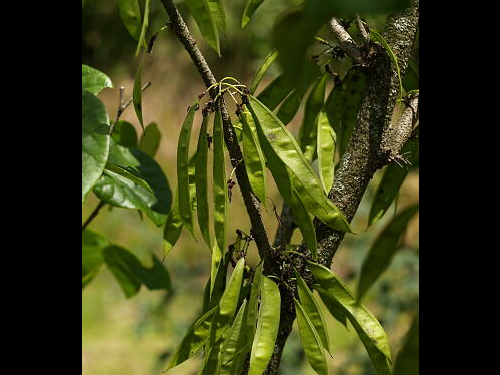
275,92
263,68
228,359
95,140
287,149
137,94
251,316
250,7
366,325
407,361
124,134
304,223
392,180
131,17
200,9
310,341
377,37
333,306
92,246
254,158
121,264
201,180
326,151
193,340
173,227
150,140
217,11
220,183
313,312
308,135
185,209
267,327
288,109
144,29
120,191
383,249
94,80
125,173
411,76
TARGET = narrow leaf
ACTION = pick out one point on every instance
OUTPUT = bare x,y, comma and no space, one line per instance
326,151
173,227
304,223
310,341
275,92
263,68
289,107
407,361
250,7
137,94
220,184
383,249
95,140
201,180
183,190
217,10
131,17
94,80
200,10
150,140
92,246
228,360
144,28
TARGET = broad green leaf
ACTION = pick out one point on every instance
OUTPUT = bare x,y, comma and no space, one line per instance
173,227
308,132
131,17
304,223
119,263
308,186
120,191
254,158
201,179
125,173
289,107
311,341
217,10
202,14
124,134
183,190
407,361
333,306
275,92
263,68
313,311
220,183
215,267
383,249
92,246
267,327
155,277
95,140
137,94
193,340
250,7
150,140
366,325
392,180
94,80
144,29
377,37
326,151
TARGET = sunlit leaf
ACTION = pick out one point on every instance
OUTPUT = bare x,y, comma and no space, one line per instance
93,80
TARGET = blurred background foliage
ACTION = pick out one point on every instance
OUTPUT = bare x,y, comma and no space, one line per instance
136,336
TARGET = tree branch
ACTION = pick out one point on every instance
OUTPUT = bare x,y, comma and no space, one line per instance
258,230
346,42
362,30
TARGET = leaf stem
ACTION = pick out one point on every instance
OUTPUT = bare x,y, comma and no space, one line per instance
93,215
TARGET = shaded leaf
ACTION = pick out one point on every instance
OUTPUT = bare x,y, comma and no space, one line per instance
92,246
305,223
407,361
275,92
137,94
131,17
150,140
220,183
201,182
95,140
289,107
173,227
250,8
263,68
144,29
124,134
217,10
201,12
94,80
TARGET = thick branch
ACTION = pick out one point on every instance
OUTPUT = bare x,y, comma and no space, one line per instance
346,42
251,201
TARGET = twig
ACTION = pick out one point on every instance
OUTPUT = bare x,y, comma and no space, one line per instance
122,106
93,215
346,42
362,29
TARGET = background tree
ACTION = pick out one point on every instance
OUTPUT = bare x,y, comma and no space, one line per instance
367,121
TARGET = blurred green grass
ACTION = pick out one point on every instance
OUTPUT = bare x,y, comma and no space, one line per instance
135,336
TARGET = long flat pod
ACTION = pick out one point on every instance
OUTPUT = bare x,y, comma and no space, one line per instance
173,227
335,105
202,182
251,316
228,360
220,186
267,327
326,151
308,130
254,158
202,14
392,180
263,68
304,223
185,209
285,146
193,340
363,321
311,341
313,311
383,249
